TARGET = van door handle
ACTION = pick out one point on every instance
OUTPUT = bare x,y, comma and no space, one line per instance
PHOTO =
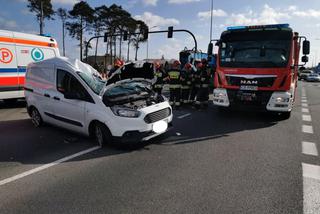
56,98
47,95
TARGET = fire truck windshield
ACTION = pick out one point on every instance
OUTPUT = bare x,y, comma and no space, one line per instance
255,54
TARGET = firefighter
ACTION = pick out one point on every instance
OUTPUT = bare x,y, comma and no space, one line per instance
186,76
161,75
173,78
195,81
114,78
203,93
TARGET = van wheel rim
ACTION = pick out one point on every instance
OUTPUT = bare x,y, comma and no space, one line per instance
35,118
99,135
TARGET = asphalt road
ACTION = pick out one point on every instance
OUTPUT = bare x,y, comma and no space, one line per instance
210,162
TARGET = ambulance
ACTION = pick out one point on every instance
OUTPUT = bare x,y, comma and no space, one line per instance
17,50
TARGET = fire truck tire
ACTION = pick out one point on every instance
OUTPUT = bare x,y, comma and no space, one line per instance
285,115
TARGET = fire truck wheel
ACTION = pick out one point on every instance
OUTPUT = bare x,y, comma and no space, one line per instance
286,115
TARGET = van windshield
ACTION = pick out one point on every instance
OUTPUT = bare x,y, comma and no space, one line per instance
93,81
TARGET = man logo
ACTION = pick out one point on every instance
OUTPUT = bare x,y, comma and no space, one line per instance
249,82
37,54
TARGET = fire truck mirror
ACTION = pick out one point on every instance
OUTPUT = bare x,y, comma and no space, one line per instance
210,49
306,47
305,59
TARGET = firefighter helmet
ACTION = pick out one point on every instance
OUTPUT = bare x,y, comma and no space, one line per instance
188,66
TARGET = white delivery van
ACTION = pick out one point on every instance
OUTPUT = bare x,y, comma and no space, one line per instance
17,50
70,94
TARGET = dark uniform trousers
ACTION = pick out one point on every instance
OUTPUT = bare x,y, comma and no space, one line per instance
175,87
185,93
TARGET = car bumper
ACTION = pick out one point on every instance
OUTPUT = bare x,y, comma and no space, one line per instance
136,136
313,80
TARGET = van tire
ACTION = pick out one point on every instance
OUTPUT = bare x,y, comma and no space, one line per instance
101,134
36,118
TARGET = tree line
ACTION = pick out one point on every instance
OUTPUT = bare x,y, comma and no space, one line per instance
83,18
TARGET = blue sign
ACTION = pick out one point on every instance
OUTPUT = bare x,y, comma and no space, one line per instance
37,54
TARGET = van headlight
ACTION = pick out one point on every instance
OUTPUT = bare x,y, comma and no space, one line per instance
125,112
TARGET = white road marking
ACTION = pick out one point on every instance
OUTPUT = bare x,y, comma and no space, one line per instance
306,117
307,129
309,148
46,166
304,105
304,101
311,171
311,196
305,110
183,116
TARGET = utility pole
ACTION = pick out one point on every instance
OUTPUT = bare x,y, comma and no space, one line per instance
148,43
41,17
211,22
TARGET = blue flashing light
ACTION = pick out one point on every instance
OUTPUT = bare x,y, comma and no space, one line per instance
237,28
45,35
258,27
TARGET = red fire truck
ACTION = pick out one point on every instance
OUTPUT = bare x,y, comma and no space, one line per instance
257,67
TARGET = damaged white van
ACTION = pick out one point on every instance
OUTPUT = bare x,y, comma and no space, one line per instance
70,94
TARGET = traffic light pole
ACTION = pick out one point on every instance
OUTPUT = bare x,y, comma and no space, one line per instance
150,32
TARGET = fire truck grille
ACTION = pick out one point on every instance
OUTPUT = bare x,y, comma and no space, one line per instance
259,81
256,98
158,115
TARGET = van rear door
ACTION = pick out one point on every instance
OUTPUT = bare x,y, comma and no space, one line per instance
27,54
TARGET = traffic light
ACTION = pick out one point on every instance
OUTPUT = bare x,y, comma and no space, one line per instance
170,32
146,33
125,36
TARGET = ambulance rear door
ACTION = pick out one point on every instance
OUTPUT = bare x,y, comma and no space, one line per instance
9,81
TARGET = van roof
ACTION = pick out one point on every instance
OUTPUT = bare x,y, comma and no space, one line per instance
27,36
63,61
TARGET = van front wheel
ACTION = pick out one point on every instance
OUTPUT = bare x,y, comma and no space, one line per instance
102,134
36,118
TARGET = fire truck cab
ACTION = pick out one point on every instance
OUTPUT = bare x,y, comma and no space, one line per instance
257,67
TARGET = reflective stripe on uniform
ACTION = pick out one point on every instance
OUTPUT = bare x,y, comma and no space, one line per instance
174,74
204,85
174,86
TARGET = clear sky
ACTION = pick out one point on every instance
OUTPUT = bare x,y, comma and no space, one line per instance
303,16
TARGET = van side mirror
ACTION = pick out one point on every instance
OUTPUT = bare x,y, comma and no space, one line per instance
305,59
306,47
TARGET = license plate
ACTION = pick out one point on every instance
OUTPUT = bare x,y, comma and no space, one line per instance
249,88
246,96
